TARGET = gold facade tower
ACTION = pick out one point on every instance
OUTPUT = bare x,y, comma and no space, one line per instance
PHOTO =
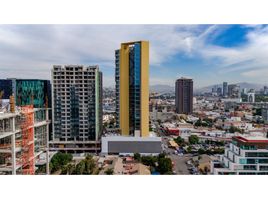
134,88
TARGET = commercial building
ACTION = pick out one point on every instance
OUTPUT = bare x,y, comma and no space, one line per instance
244,90
234,91
5,88
77,108
219,91
245,155
132,103
132,88
265,90
184,96
251,97
225,89
129,145
23,138
264,113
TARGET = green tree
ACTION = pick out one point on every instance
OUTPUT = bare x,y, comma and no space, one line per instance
59,160
161,155
201,151
70,168
149,160
137,156
109,171
80,167
234,129
189,149
90,165
193,139
164,165
179,140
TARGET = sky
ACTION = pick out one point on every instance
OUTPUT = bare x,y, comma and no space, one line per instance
210,54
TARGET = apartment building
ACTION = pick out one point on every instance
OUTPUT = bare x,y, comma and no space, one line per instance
245,155
77,107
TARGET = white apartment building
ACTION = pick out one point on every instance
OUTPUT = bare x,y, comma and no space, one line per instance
244,156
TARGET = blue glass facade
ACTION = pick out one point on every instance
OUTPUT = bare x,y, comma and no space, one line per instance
134,86
27,91
135,98
6,88
31,91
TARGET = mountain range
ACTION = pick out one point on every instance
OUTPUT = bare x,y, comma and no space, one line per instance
170,89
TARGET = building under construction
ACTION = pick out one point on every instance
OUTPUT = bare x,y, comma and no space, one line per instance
23,138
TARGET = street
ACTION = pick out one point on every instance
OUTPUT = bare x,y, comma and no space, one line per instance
180,166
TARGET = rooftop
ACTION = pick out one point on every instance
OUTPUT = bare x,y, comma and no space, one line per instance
251,139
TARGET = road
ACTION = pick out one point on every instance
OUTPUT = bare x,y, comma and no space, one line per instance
180,166
179,161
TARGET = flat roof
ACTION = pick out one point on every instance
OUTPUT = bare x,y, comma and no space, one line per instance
251,139
173,143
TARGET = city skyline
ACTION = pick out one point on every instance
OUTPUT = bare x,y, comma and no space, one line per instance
209,54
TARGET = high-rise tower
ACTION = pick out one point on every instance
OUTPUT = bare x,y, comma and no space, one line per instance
225,89
184,96
132,88
77,103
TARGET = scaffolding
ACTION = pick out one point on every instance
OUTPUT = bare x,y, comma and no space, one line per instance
27,140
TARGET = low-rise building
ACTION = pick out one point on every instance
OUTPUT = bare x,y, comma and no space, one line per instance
125,145
245,155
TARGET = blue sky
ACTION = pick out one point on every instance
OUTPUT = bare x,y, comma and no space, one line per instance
209,54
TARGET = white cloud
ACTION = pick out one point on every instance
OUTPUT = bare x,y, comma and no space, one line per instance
35,48
248,60
31,50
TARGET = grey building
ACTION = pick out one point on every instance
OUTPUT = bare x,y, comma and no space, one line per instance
219,91
234,91
264,113
184,96
265,90
77,104
225,89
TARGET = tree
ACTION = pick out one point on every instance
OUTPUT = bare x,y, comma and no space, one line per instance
137,156
90,165
201,151
193,139
234,129
189,149
149,160
179,140
70,168
164,165
109,171
59,160
80,168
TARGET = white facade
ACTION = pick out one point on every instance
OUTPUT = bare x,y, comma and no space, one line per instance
251,97
243,158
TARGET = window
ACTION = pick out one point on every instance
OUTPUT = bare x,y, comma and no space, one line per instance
242,161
